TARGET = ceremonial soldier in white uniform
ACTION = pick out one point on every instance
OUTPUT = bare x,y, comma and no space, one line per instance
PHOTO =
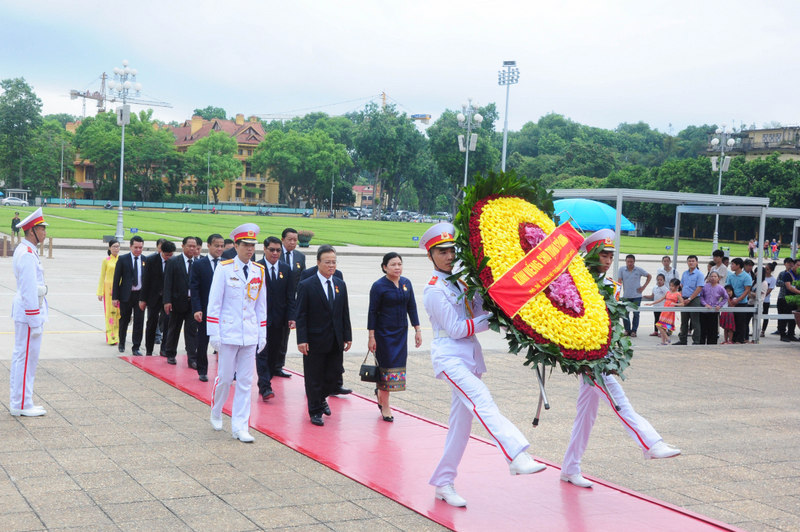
29,311
589,395
458,359
237,328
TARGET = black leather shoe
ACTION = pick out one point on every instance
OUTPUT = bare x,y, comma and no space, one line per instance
785,339
678,343
137,353
326,409
342,391
317,420
203,378
193,364
162,354
121,348
281,373
267,395
171,361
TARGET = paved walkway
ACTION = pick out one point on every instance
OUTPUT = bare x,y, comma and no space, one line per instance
122,450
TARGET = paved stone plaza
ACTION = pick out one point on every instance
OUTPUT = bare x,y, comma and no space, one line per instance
121,450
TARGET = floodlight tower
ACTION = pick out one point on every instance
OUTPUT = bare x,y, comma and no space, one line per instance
123,83
507,77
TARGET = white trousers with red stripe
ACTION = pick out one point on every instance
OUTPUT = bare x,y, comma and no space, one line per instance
471,398
234,360
589,397
24,360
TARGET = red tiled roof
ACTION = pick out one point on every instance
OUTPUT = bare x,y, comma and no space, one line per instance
248,133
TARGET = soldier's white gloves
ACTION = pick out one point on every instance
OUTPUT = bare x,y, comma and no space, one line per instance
262,342
215,342
481,323
36,332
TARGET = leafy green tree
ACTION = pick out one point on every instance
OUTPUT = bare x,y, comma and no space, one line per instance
61,118
210,113
20,115
149,151
303,163
387,145
443,135
43,162
212,160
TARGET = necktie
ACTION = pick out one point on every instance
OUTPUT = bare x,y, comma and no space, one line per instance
330,294
245,271
136,271
214,268
289,258
189,269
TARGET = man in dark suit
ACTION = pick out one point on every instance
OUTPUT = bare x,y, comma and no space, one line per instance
297,263
151,295
200,286
323,332
280,316
295,259
178,305
312,272
125,294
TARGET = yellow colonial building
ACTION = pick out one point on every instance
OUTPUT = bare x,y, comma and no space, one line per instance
250,188
762,142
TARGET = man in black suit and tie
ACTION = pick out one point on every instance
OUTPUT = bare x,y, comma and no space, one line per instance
125,294
178,305
280,316
151,295
296,261
200,286
323,332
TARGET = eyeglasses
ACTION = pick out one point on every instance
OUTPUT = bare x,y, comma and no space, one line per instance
274,250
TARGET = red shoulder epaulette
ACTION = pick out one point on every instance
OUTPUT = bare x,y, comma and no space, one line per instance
433,279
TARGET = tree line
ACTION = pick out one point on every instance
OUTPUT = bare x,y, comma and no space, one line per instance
381,146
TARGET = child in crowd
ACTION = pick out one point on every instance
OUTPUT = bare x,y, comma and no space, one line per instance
659,291
666,321
726,319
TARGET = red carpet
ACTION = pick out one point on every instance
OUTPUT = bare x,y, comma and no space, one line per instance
396,460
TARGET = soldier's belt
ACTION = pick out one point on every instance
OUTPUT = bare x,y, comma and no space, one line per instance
441,333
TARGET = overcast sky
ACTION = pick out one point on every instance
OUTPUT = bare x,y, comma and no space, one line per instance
670,64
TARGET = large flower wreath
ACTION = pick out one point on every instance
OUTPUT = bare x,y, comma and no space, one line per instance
575,323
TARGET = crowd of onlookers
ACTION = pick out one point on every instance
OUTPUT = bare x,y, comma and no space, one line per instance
725,284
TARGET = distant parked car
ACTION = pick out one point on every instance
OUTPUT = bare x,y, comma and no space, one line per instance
444,216
15,202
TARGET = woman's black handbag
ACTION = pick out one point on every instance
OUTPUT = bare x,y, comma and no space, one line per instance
369,373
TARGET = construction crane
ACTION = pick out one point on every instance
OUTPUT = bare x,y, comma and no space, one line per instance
101,97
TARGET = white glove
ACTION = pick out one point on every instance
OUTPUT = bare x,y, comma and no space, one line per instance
36,332
481,323
215,342
262,342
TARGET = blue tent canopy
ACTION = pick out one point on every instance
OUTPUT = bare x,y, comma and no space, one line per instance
589,215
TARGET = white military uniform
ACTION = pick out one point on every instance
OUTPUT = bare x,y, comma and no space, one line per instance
29,311
237,315
589,396
458,359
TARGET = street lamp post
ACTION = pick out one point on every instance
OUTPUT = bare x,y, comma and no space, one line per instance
208,183
720,142
507,77
466,117
124,81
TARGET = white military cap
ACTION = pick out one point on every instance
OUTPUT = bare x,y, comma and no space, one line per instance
603,238
442,235
32,220
247,233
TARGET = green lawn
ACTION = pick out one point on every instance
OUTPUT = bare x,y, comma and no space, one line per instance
94,223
